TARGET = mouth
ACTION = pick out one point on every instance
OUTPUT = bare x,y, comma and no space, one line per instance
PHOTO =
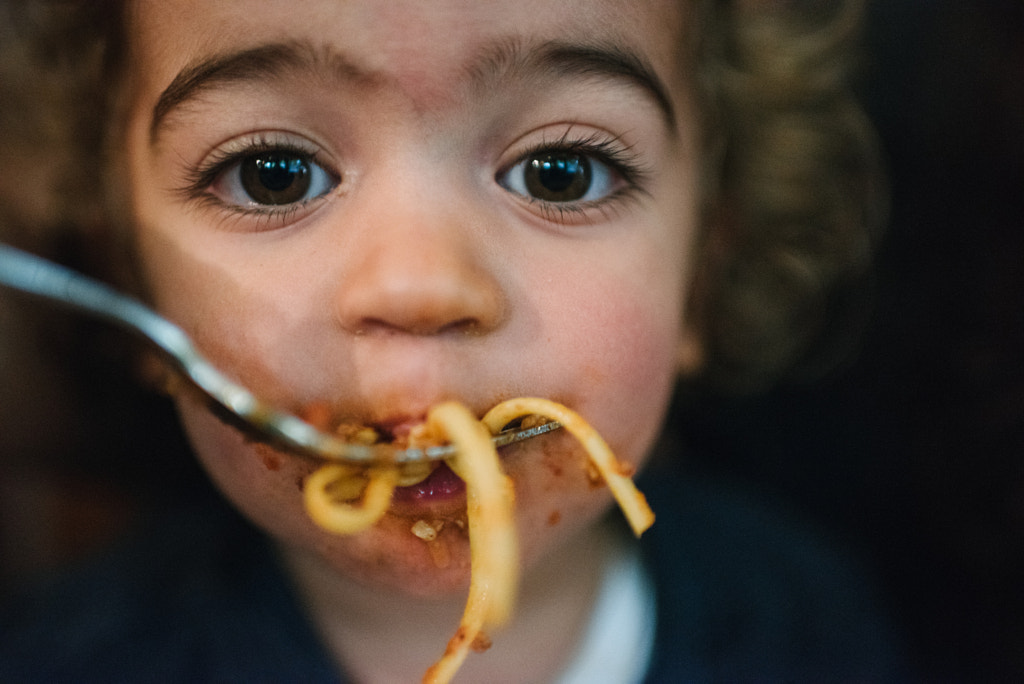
435,499
442,491
428,488
436,488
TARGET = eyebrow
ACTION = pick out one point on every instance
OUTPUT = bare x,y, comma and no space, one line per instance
246,66
562,58
503,60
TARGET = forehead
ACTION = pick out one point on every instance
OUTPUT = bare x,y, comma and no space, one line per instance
424,48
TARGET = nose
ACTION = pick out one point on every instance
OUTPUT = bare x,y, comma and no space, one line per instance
418,272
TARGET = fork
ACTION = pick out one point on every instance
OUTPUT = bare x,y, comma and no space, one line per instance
229,400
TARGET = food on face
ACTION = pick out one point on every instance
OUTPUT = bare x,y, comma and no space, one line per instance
494,549
615,474
345,499
329,490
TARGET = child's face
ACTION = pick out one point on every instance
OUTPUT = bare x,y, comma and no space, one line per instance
384,204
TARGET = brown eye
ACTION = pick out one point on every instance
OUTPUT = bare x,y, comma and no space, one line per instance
560,176
272,178
557,177
275,178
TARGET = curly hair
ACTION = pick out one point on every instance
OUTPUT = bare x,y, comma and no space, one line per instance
792,182
50,89
793,188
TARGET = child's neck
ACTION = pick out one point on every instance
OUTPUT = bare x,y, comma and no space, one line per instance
380,636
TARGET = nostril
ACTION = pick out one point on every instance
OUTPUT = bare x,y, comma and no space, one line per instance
470,327
420,287
466,326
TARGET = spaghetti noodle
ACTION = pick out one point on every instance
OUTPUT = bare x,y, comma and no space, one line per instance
329,494
494,556
617,476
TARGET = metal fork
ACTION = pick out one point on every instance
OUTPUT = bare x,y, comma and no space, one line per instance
231,401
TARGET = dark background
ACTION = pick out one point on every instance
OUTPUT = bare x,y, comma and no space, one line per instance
912,453
915,451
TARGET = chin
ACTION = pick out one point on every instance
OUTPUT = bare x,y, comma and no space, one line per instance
554,501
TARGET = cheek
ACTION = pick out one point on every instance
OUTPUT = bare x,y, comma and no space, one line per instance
625,345
264,485
267,489
619,353
637,342
256,319
638,378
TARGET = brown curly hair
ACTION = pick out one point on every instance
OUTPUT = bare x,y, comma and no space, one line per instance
792,191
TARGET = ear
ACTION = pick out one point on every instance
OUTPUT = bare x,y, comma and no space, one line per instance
689,353
691,349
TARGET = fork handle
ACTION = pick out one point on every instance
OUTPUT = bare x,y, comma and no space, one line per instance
37,276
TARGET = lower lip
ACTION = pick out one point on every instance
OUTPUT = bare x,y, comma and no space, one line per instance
441,486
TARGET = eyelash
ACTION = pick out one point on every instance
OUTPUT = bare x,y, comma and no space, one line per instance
606,149
199,180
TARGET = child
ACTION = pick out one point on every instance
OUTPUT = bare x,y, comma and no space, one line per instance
379,206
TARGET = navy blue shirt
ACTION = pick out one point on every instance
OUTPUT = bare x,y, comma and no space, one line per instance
743,595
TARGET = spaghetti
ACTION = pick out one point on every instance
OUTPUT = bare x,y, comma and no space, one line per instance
345,499
617,476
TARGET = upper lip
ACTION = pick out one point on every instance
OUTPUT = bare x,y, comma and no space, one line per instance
391,423
394,422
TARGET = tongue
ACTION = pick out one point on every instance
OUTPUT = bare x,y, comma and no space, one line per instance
440,484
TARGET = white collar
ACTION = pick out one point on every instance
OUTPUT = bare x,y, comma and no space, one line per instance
617,645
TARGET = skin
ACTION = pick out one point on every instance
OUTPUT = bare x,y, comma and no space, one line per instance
422,273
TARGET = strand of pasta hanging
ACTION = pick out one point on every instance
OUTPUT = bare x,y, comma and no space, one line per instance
345,499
